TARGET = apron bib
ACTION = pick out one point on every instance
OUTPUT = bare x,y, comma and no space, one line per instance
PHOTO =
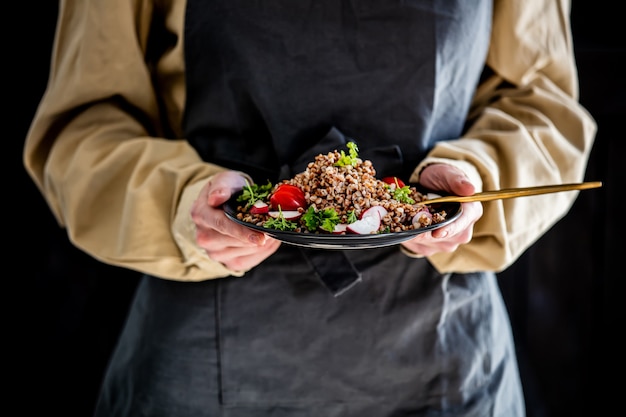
267,80
271,84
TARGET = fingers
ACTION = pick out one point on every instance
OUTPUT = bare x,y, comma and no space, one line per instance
237,247
211,221
239,258
472,212
448,238
208,216
234,246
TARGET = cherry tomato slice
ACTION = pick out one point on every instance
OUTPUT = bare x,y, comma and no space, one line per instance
392,180
288,197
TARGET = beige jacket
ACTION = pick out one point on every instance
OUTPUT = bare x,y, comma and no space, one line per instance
97,147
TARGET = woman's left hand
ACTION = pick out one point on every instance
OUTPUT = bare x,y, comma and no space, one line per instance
447,238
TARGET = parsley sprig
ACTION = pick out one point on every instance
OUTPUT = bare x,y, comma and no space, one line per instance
325,219
351,158
253,193
352,217
280,223
403,194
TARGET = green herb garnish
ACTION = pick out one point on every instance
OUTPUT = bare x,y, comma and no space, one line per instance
253,193
351,158
352,217
402,194
325,219
280,223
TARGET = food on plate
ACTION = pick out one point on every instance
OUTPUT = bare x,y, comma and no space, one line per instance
287,197
337,193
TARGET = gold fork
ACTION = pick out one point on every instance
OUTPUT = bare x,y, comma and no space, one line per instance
513,193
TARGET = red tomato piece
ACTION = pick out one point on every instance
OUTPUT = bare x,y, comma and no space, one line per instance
288,197
392,180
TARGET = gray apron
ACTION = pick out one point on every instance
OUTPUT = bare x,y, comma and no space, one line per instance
363,333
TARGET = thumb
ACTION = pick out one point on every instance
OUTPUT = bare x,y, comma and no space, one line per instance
448,178
223,185
218,196
461,185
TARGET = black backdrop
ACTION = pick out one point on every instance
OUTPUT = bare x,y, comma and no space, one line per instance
64,309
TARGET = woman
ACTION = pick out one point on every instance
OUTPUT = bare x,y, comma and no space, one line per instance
157,111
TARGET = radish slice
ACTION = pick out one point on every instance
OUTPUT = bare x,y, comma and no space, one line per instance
375,210
340,228
259,207
422,219
287,214
365,226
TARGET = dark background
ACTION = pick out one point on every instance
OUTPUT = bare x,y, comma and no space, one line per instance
564,294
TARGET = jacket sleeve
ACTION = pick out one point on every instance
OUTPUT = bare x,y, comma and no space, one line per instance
527,129
102,150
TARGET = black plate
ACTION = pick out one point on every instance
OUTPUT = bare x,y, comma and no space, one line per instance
347,241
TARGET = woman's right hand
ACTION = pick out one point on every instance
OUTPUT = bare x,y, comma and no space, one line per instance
235,246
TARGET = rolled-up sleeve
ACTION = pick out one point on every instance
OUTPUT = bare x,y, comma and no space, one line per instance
105,149
527,129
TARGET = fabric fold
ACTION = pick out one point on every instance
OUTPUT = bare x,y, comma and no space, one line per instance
333,268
